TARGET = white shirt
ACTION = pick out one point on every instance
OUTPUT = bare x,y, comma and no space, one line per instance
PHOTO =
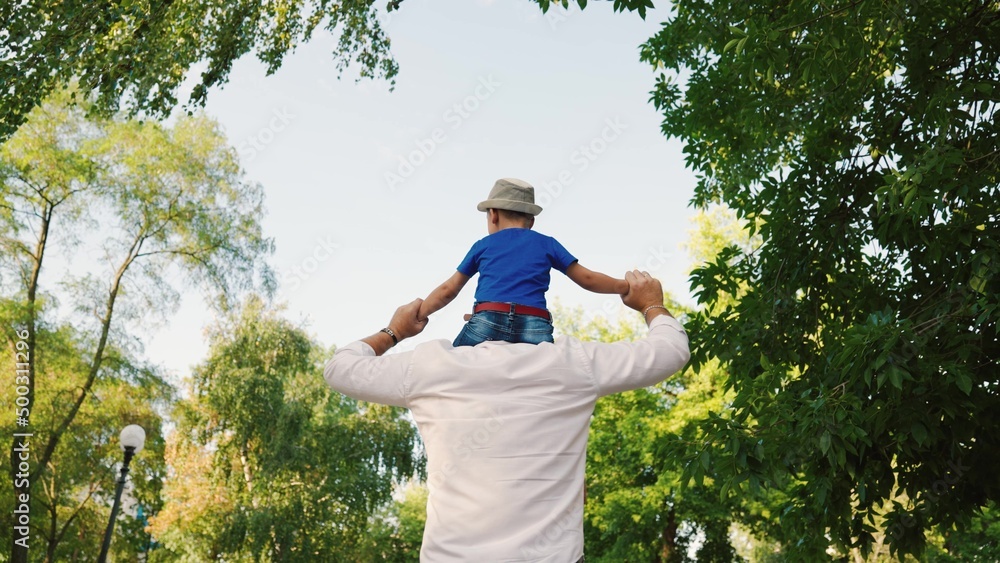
505,429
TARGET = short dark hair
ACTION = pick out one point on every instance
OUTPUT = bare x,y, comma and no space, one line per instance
516,216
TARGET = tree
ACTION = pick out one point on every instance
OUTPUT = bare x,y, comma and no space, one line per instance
980,542
170,200
639,506
268,463
643,503
860,141
140,53
72,495
398,532
136,56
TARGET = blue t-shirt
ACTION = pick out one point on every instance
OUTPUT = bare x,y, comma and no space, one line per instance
513,266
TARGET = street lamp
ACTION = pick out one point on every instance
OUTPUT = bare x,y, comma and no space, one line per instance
132,439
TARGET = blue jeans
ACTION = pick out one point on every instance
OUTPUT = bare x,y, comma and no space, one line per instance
492,325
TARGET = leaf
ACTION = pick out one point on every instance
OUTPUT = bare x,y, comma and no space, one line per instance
824,442
964,382
896,376
880,360
919,433
821,495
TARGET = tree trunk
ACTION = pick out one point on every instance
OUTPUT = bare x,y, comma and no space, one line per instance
669,537
19,554
22,485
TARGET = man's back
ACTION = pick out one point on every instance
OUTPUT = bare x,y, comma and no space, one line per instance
505,428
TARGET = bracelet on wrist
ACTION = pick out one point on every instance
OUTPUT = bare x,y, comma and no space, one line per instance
391,334
647,309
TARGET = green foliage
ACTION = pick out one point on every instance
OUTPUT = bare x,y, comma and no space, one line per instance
136,54
859,142
411,514
398,532
978,542
71,500
168,198
295,472
639,6
639,506
148,202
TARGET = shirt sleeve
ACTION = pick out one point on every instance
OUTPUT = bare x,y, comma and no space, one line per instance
470,264
622,366
560,257
357,372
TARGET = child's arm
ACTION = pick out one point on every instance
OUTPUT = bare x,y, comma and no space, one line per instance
595,281
443,294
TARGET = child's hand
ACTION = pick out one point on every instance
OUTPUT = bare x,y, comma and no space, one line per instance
423,314
622,287
467,317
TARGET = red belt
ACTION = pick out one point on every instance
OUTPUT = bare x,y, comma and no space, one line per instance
518,309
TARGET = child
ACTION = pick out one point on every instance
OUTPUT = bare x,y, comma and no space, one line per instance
513,263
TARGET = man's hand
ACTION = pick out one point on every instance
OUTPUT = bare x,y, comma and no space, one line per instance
644,291
404,324
406,321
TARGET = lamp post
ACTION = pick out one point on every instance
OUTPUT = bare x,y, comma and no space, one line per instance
132,438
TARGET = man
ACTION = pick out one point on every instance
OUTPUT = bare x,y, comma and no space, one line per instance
505,425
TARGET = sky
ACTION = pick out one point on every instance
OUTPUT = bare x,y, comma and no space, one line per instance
371,194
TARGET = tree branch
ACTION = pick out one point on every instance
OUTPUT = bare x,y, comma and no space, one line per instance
821,16
98,357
